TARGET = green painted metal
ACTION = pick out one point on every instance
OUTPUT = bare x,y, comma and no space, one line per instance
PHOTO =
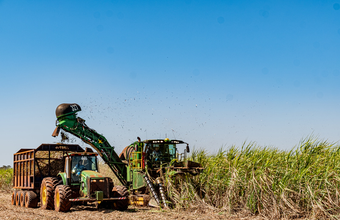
75,125
128,174
63,177
68,120
83,183
91,173
99,195
136,156
138,180
86,174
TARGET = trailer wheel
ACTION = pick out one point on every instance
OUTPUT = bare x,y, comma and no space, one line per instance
17,198
31,199
22,198
61,198
121,191
14,193
47,192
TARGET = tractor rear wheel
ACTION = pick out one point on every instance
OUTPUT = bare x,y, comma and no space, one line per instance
22,198
61,198
121,191
31,199
14,193
47,192
17,198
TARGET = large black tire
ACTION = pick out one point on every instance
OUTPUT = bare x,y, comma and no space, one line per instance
47,192
22,198
14,193
61,198
123,204
17,198
31,199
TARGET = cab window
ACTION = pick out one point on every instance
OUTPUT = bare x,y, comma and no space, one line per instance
80,163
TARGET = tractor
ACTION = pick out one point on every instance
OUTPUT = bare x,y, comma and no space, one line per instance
59,175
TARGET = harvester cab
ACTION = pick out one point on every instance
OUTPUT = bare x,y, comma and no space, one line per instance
159,152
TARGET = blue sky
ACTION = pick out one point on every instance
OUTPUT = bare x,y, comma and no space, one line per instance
212,73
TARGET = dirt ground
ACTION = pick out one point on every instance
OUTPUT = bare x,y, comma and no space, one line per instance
7,211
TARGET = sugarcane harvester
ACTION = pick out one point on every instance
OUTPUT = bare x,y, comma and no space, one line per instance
141,165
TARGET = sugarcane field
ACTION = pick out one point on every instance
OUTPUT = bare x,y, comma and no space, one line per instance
177,109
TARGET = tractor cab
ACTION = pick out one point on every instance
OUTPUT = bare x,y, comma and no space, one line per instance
80,163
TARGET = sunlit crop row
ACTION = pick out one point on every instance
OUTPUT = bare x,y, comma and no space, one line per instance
266,181
6,176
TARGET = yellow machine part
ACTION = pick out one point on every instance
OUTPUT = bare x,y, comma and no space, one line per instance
139,200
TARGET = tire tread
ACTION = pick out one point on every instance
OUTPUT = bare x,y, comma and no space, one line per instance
50,183
121,191
65,192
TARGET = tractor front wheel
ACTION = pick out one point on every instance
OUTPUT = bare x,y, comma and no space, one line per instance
121,191
61,198
47,192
